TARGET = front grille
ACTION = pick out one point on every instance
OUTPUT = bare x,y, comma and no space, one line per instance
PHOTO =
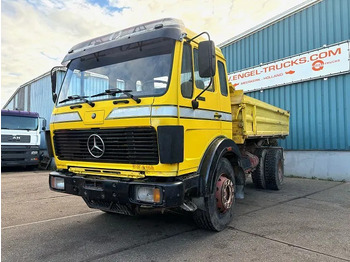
15,138
123,145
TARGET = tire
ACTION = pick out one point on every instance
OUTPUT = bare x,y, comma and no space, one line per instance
108,212
217,215
258,176
274,169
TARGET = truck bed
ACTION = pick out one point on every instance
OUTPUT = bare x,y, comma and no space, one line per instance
253,118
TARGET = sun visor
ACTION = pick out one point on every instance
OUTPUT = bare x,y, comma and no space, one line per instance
166,28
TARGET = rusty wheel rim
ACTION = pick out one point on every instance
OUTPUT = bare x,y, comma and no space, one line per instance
224,194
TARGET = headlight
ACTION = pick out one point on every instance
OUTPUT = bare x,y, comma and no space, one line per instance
148,194
34,152
57,182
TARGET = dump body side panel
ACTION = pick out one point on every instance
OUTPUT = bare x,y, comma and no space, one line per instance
253,118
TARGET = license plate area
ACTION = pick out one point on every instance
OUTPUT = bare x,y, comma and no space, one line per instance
93,185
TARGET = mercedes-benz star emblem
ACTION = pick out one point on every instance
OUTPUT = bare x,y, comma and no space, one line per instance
96,146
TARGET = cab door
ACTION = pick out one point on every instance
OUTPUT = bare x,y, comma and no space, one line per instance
201,125
225,101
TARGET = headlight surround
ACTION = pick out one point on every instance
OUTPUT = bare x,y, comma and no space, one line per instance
65,117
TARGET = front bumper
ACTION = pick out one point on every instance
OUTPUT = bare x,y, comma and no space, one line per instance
117,195
14,155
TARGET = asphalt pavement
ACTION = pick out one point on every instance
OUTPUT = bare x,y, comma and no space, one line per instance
308,220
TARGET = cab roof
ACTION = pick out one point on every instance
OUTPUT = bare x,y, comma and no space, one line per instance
166,27
5,112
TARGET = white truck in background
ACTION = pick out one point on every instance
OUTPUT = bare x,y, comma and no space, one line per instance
20,138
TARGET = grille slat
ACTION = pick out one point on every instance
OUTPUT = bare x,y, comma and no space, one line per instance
138,150
136,143
124,145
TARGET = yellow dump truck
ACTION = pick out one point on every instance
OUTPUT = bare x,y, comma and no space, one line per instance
145,118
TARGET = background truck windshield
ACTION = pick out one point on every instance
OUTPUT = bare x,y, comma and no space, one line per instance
19,123
144,68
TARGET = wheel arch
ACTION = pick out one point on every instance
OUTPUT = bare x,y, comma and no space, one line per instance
218,148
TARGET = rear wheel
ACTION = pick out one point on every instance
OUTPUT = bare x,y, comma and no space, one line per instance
258,176
274,169
218,211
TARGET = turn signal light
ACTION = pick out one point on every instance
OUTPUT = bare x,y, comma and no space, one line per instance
156,195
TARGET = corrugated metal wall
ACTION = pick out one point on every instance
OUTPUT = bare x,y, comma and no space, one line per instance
41,102
320,111
324,23
19,100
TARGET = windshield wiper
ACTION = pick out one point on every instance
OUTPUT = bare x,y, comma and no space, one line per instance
114,91
76,97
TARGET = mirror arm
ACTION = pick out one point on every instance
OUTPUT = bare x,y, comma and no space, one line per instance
194,101
190,40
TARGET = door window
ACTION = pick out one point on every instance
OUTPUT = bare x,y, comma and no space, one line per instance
222,77
186,72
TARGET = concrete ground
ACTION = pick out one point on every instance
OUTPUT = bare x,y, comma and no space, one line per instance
308,220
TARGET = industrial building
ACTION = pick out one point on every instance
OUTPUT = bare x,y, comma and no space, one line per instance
299,61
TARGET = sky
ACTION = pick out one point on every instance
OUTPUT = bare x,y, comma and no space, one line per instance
37,34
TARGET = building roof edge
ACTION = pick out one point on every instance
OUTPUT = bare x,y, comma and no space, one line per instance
270,22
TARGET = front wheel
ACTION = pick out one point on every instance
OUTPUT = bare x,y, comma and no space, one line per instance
219,204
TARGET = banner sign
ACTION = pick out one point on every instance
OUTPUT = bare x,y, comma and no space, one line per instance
307,66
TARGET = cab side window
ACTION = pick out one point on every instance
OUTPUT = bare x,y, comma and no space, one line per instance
222,77
200,82
186,72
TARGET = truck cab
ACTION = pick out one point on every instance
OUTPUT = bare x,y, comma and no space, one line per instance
144,119
20,138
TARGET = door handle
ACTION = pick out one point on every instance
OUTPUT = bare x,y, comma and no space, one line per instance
216,115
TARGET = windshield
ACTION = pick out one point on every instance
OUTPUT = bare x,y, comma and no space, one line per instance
142,69
19,123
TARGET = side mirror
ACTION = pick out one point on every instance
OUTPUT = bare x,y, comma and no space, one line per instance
43,123
206,59
53,82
